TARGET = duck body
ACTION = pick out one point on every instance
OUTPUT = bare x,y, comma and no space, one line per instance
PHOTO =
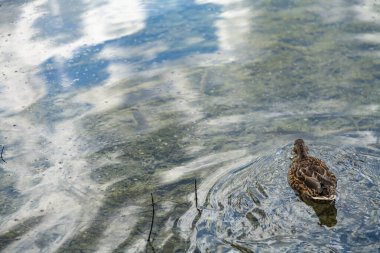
310,176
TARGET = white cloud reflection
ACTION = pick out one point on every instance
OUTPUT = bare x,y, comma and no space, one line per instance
202,163
46,157
367,10
233,27
19,79
105,20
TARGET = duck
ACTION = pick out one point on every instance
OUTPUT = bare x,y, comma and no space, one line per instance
310,177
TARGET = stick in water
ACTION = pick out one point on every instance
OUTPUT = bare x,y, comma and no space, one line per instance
151,225
1,156
196,196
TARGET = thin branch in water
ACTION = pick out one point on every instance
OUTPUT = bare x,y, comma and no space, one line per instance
151,247
1,156
151,224
196,197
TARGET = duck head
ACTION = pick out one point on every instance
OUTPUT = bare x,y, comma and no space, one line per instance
300,149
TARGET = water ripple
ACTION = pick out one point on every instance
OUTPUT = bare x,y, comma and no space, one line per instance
254,209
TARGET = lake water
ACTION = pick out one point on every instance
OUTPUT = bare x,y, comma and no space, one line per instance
105,102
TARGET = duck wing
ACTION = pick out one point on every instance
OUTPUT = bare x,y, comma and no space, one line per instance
313,184
312,179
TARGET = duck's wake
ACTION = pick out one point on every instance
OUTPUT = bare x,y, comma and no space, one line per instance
255,209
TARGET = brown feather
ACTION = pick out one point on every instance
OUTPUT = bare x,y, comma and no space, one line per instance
310,176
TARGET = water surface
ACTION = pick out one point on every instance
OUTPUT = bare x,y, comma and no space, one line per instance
105,102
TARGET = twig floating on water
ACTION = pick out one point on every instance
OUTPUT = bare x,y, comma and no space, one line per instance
151,224
1,156
151,247
196,197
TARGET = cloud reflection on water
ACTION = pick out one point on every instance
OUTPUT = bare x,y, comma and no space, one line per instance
93,75
45,152
65,48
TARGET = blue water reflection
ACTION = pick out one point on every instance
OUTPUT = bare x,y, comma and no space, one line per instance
86,68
